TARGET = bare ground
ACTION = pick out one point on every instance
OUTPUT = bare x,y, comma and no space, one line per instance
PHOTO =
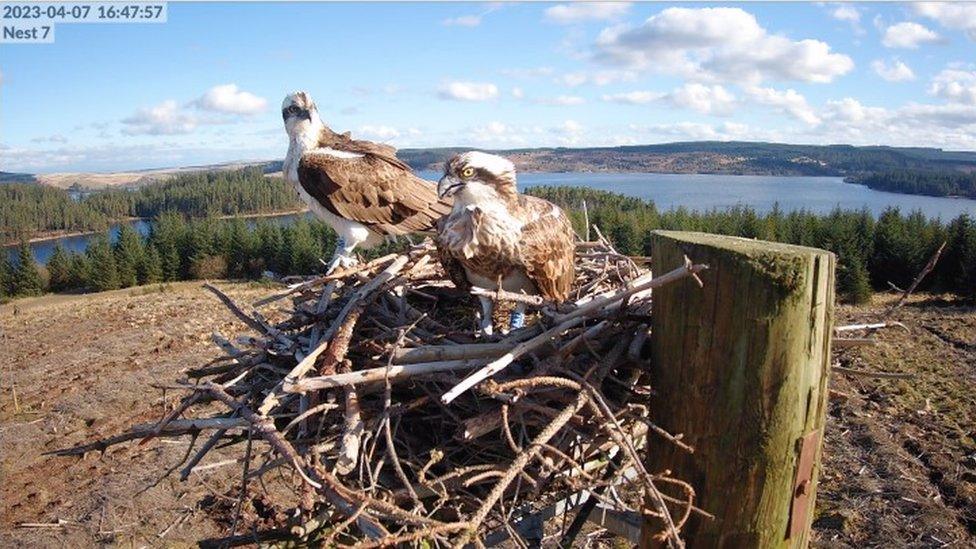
81,367
900,455
899,463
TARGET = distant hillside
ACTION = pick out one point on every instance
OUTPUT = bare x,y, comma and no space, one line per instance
136,178
719,157
9,177
733,157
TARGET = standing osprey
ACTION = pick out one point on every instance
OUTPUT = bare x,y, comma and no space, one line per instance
496,235
359,188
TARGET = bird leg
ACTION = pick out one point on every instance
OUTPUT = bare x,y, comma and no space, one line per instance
486,325
517,318
342,257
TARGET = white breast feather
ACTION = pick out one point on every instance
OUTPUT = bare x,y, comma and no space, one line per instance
353,232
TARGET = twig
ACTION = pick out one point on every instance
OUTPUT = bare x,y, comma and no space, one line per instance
925,270
866,373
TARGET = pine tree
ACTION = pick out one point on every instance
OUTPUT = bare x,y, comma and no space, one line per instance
59,269
6,275
79,272
958,264
305,249
168,230
151,266
128,256
104,272
268,238
27,279
238,249
853,282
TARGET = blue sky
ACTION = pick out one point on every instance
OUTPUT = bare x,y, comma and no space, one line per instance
206,86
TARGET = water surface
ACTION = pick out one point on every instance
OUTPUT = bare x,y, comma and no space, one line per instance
695,192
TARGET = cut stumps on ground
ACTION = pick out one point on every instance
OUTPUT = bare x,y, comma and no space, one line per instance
340,387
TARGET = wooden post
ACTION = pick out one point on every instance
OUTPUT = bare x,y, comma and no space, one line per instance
740,368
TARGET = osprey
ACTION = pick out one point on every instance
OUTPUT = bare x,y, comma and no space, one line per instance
494,235
359,188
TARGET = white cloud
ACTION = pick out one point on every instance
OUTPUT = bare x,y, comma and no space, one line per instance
897,71
56,138
571,126
462,21
534,72
570,132
788,101
725,44
598,78
695,131
229,99
469,91
637,97
952,15
950,126
577,12
955,86
166,118
846,13
704,99
379,133
563,100
907,35
517,93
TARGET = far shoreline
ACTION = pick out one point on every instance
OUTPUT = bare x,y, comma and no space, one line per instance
58,235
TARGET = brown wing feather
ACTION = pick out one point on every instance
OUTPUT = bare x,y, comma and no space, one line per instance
344,142
372,191
548,247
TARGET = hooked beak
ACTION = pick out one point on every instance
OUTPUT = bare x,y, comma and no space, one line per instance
303,114
448,186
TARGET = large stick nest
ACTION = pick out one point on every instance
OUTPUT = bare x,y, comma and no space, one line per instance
347,397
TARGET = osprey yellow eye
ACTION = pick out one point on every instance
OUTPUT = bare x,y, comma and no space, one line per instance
467,172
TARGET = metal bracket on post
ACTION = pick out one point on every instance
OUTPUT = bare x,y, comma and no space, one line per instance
802,483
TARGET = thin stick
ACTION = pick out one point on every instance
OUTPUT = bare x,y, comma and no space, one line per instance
234,308
396,373
866,373
925,270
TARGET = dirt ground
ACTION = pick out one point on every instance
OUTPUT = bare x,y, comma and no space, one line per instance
899,461
75,368
900,455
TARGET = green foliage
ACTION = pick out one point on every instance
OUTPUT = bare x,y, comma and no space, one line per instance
79,272
6,275
929,182
104,274
59,269
151,267
870,253
26,209
129,255
26,277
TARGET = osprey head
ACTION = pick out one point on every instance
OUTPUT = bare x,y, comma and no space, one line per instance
298,110
476,175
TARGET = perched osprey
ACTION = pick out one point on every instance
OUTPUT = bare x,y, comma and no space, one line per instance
358,187
494,234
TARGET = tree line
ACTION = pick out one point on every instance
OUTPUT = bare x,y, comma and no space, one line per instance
27,210
872,252
932,183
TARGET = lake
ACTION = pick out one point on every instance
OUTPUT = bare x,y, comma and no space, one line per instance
695,192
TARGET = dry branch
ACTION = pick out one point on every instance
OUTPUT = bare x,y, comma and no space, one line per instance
350,390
